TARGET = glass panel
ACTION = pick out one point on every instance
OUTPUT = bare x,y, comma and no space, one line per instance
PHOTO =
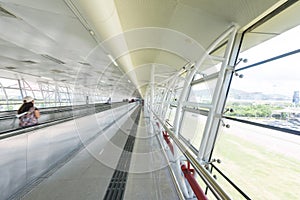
192,128
211,70
14,99
264,163
278,45
202,92
268,94
79,98
170,115
3,103
13,94
28,93
38,95
208,67
29,85
9,83
220,50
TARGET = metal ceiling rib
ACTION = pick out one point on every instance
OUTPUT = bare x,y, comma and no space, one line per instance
5,13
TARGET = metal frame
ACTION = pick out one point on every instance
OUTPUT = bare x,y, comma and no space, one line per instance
51,93
214,109
3,89
218,100
202,172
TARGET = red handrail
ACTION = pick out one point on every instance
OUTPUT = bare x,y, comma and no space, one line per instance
167,139
189,175
187,171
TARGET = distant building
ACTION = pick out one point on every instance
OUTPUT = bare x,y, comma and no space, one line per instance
296,98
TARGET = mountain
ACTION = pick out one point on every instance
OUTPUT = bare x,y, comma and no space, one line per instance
243,95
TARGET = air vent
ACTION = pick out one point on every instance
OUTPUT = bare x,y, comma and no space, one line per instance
5,13
29,61
57,71
83,63
84,74
53,59
11,68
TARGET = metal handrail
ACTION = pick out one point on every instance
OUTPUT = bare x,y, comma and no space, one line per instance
202,172
17,131
195,151
173,176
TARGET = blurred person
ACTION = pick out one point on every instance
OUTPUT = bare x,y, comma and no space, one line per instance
28,114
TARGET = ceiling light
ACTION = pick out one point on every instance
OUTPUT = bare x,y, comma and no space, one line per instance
112,60
47,78
91,32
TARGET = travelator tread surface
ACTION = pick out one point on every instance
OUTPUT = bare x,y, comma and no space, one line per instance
89,174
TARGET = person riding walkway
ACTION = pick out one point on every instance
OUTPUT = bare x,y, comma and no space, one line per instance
28,114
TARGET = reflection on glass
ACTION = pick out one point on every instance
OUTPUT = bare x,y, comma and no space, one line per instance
283,43
192,128
214,69
202,92
264,163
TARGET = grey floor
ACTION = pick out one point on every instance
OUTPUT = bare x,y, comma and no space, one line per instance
88,174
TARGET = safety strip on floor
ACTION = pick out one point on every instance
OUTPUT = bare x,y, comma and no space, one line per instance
116,187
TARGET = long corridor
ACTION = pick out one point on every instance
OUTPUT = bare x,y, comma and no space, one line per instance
107,169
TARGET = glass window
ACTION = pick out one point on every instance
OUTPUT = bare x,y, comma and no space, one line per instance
192,128
202,92
13,94
283,43
170,115
268,93
9,83
214,69
264,163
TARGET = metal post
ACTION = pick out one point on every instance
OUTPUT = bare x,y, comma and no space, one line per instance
213,119
6,97
20,87
152,92
25,82
187,84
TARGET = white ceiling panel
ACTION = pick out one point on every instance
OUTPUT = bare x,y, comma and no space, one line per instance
70,40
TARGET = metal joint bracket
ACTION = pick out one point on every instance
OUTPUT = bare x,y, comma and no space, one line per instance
218,116
230,68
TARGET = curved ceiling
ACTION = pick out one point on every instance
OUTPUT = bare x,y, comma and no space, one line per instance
75,41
